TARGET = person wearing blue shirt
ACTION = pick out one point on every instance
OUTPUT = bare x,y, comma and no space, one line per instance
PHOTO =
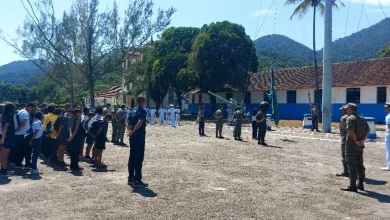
75,140
36,141
7,140
100,141
137,134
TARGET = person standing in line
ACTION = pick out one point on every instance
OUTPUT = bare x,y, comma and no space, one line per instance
358,131
7,141
254,124
121,119
90,140
48,123
152,115
238,117
75,140
60,135
343,134
387,136
200,120
83,130
137,135
219,122
167,115
100,140
114,124
22,149
177,114
314,118
36,142
172,113
161,114
261,119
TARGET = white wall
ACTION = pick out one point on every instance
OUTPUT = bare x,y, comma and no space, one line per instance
302,96
368,94
257,97
282,96
339,95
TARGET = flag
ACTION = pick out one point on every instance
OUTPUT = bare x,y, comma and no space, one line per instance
274,100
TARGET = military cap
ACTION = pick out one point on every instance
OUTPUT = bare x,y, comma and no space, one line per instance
387,105
352,106
344,107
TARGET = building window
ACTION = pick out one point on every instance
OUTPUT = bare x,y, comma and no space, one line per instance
200,98
319,96
353,95
381,95
291,96
229,95
193,98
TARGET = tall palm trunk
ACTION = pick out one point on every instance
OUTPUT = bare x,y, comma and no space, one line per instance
315,58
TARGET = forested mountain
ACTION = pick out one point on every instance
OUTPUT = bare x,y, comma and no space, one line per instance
18,72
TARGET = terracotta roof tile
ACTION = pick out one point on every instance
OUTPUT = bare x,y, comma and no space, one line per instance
350,74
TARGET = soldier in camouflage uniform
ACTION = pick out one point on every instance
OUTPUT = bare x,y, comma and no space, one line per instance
114,123
261,120
238,118
358,131
343,134
219,122
121,117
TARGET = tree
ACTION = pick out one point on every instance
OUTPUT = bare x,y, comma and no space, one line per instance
157,81
94,43
172,51
222,54
300,11
385,52
185,80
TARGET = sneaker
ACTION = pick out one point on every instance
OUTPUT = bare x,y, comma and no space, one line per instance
26,167
61,164
130,181
103,166
5,174
140,184
87,157
76,168
35,172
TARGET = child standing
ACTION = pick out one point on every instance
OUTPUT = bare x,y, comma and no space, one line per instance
7,140
75,140
90,140
36,141
61,136
100,141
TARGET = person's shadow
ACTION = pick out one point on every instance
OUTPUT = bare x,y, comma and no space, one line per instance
145,192
380,197
375,182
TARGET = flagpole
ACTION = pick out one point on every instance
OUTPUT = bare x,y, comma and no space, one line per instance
327,70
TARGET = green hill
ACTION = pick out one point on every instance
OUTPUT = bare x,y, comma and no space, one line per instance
18,72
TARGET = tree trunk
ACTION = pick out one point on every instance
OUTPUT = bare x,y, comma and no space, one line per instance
179,98
315,59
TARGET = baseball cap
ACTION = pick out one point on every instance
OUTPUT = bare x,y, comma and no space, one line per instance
352,106
343,107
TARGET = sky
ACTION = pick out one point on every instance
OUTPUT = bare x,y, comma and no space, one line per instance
258,17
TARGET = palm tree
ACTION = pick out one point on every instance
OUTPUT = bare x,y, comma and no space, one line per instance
300,11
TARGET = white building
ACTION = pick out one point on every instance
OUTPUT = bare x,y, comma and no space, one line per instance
366,83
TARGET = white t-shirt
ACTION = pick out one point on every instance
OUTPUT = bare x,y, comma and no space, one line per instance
23,115
387,122
37,125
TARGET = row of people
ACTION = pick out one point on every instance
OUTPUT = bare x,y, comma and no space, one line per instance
25,133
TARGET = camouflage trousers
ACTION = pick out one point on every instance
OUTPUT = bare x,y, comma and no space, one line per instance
354,157
121,130
343,159
219,126
114,136
237,129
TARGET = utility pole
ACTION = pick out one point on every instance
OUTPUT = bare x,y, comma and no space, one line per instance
327,70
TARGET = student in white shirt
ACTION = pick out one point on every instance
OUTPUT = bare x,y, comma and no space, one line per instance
177,116
387,136
254,124
36,141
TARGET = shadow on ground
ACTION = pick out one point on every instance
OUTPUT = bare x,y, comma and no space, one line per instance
378,196
375,182
145,192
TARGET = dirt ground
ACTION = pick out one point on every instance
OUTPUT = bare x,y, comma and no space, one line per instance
194,177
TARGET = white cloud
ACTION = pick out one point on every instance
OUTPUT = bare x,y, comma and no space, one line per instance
372,2
262,12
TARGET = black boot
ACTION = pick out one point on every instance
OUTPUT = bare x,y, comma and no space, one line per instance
343,174
352,186
360,185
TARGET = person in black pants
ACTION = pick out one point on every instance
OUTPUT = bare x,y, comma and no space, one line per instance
254,124
314,118
75,141
201,120
261,119
137,133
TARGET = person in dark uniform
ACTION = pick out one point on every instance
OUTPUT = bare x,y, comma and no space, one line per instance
238,118
314,118
100,140
201,120
261,119
343,134
137,133
75,140
7,140
61,137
